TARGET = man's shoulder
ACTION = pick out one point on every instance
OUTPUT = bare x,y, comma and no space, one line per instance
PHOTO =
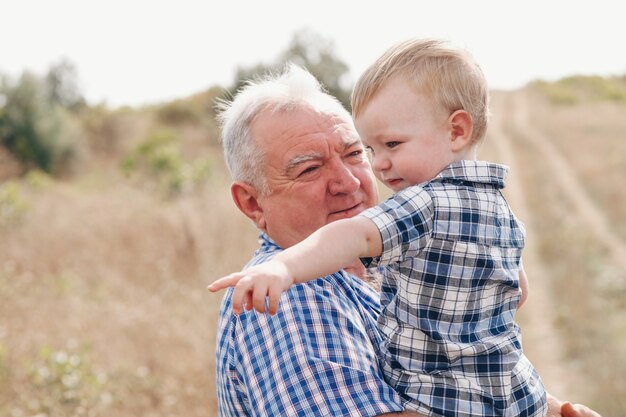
337,305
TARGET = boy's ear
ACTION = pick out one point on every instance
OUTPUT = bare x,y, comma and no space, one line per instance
246,197
461,128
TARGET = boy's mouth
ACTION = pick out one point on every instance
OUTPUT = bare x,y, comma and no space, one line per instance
392,182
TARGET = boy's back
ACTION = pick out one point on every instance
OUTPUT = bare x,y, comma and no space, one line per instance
452,248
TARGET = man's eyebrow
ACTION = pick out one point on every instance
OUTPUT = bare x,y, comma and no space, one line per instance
300,159
351,143
314,156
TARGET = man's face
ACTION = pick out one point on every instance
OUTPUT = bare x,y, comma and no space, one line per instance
316,170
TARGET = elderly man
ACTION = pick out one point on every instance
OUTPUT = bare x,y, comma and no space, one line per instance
298,164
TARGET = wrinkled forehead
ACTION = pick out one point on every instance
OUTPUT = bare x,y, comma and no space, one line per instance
344,129
289,126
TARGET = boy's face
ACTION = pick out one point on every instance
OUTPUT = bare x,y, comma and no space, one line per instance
409,134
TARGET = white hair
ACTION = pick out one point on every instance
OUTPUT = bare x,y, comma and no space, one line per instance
293,89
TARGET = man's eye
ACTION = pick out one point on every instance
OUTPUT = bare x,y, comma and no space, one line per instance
308,170
358,152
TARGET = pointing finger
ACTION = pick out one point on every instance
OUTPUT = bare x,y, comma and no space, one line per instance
225,282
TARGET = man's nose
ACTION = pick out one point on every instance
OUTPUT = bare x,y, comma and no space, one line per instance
343,180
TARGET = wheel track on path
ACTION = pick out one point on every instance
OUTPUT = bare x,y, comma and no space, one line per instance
542,343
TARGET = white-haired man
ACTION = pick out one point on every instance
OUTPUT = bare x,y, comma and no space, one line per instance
297,164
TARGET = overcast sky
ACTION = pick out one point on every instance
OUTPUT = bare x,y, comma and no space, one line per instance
133,52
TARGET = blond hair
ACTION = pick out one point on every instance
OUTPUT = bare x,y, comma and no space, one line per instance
448,75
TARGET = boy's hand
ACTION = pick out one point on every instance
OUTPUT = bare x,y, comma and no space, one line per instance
269,279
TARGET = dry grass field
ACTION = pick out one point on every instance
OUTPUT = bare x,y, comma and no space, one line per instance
103,307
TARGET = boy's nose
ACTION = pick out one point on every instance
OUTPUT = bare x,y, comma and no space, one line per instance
380,163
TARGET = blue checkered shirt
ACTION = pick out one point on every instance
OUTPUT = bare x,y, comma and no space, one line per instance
315,357
451,251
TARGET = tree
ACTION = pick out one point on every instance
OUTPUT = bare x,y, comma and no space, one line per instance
309,50
62,84
317,54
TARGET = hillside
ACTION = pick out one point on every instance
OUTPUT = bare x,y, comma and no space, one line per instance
103,269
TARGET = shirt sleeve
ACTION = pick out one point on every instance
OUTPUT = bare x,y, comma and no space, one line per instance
313,358
405,224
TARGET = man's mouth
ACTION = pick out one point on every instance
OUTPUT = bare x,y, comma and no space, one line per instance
347,212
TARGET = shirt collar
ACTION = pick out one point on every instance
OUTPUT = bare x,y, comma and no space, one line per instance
475,171
267,243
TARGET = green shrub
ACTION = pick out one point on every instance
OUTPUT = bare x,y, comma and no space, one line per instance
557,93
178,112
65,383
158,163
33,127
13,206
576,89
37,178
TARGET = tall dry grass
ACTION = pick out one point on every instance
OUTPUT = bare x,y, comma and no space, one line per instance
103,302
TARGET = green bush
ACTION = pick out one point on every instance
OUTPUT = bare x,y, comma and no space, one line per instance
33,127
13,206
577,89
38,179
65,383
158,163
557,93
178,112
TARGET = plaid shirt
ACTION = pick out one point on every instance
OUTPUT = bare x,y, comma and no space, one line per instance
315,357
452,247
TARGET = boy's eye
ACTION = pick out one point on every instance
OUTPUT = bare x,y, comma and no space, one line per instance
392,144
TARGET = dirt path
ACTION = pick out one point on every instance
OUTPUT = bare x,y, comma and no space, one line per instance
540,338
542,341
587,210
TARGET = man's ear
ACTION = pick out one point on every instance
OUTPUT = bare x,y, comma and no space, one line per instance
246,197
461,128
